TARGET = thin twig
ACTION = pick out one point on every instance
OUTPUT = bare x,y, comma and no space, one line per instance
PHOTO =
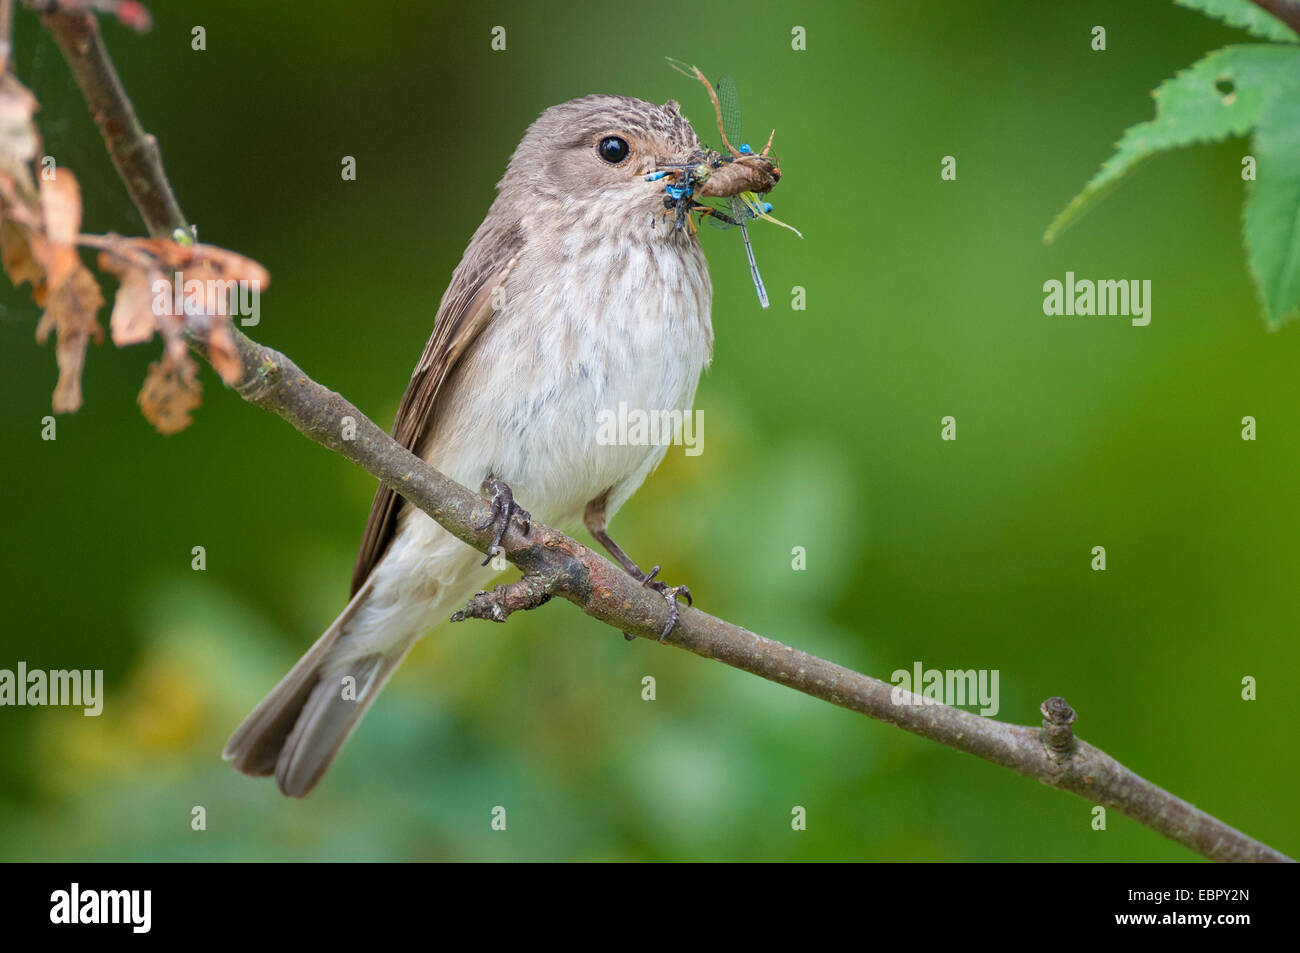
1288,11
134,152
554,564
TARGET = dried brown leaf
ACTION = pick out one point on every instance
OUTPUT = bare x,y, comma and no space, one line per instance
221,352
171,392
233,266
20,217
61,213
19,141
61,206
133,317
19,262
204,293
71,311
223,264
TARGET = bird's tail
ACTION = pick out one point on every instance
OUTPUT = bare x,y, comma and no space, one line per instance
297,730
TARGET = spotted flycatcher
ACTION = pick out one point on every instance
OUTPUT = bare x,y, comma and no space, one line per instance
578,293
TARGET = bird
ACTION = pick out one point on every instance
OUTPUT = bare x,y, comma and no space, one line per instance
578,292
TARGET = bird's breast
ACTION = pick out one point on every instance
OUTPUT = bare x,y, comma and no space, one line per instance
590,326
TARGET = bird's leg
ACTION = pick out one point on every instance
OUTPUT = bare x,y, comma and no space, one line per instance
503,507
594,518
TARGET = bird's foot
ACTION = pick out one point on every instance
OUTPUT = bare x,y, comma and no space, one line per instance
671,593
503,508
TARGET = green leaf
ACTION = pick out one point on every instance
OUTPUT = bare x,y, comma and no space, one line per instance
1247,16
1220,96
1272,214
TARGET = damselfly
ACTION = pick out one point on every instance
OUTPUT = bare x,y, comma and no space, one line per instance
740,176
746,205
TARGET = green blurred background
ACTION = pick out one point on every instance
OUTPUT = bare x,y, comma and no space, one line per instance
822,431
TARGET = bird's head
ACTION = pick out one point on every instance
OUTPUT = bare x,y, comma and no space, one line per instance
589,158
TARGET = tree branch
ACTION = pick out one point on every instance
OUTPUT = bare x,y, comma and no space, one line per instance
134,152
555,565
1288,11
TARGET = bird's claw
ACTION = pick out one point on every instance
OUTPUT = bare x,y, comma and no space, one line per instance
671,593
503,508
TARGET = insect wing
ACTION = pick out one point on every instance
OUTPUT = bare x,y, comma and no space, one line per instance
729,101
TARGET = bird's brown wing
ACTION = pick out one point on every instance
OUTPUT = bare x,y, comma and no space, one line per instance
466,310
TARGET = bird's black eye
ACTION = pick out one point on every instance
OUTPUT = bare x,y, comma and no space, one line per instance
612,149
